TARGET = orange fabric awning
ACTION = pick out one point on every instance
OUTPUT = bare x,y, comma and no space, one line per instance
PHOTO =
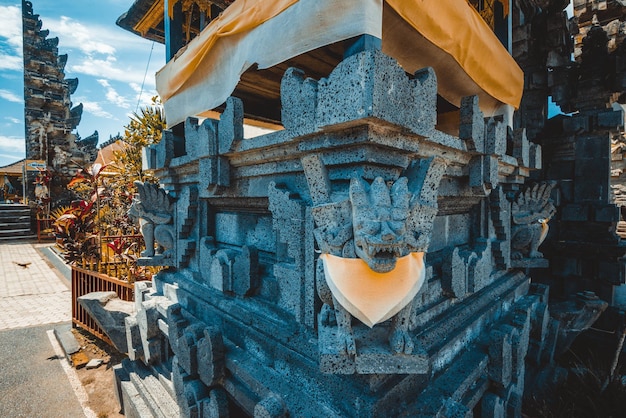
239,17
456,28
448,35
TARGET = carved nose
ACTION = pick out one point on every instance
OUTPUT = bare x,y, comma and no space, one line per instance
386,234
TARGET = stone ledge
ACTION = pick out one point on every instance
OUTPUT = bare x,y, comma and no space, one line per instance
374,355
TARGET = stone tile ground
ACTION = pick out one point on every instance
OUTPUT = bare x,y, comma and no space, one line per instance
31,291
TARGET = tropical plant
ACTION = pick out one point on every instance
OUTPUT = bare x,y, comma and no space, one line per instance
107,192
76,233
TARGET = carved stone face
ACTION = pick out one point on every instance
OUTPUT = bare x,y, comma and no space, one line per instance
379,216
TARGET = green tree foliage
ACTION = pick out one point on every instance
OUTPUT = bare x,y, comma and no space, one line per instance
144,129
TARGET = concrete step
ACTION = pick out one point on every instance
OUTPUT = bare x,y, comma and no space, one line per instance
18,237
15,232
15,219
145,394
14,225
15,222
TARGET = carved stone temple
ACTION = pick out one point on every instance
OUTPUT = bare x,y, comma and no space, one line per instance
399,244
50,116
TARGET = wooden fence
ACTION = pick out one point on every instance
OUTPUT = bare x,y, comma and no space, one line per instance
87,281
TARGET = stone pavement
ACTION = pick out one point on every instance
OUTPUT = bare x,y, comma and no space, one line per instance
32,292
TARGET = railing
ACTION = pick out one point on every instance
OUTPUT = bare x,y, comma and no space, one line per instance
120,264
86,281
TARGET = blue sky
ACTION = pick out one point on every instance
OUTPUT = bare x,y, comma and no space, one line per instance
109,62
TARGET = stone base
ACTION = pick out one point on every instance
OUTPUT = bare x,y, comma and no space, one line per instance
142,394
374,355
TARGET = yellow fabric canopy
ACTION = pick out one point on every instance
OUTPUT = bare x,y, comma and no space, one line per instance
458,29
448,35
241,16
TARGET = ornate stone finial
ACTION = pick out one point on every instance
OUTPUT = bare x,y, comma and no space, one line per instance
531,212
155,213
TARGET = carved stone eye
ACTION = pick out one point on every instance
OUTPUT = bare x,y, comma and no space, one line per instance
370,227
397,227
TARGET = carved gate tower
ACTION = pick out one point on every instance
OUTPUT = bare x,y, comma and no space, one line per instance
49,115
370,256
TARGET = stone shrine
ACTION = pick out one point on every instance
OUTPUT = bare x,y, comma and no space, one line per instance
381,252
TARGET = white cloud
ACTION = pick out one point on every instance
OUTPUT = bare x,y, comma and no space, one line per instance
11,38
95,109
76,35
107,68
10,96
113,96
99,48
12,146
12,119
11,62
103,39
11,27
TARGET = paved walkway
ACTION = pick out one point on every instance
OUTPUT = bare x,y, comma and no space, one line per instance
32,292
35,379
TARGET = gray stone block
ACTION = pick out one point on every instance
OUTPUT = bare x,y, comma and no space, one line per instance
67,340
360,88
472,126
500,366
374,355
109,312
210,349
272,406
216,405
230,125
577,124
495,137
535,158
190,392
606,213
521,147
298,97
455,274
245,271
200,139
493,406
133,339
483,174
188,350
613,120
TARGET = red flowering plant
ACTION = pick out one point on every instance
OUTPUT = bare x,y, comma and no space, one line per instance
76,233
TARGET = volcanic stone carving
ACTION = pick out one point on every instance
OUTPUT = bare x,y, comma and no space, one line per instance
380,223
155,212
531,212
